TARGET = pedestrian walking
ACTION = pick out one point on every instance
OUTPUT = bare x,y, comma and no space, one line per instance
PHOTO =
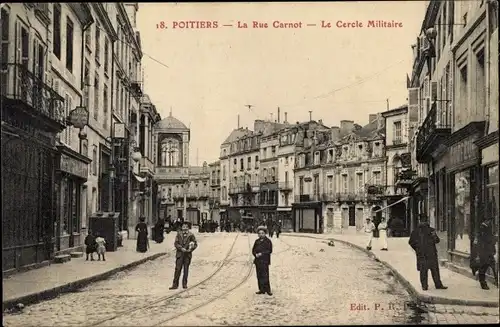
159,229
101,247
142,235
271,229
423,240
262,249
484,248
369,228
382,228
278,229
185,243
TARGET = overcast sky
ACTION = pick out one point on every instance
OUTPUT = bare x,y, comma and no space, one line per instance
213,73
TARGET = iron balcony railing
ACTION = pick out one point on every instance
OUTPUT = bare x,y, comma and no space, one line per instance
307,198
429,131
285,185
18,83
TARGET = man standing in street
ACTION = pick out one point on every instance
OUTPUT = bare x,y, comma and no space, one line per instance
262,249
369,228
185,243
423,240
485,248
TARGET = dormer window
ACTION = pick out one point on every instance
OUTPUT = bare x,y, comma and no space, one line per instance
377,143
360,146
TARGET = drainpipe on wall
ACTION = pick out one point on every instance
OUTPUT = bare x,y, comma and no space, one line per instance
111,181
488,64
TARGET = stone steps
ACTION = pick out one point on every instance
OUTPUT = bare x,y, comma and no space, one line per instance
62,258
76,254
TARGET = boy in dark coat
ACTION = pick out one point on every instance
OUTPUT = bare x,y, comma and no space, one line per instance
90,246
423,240
262,249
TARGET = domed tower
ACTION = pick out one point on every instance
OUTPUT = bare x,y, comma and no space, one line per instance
171,144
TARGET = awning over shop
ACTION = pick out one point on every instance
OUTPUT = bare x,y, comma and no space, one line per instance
139,178
283,209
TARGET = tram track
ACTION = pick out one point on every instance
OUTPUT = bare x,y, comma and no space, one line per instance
245,278
167,298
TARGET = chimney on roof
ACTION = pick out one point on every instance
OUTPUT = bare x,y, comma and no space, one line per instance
286,118
335,133
278,114
346,126
320,121
372,118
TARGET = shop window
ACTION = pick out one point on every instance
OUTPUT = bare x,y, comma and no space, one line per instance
462,219
492,196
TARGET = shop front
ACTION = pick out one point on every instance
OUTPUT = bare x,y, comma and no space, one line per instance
71,174
307,217
285,215
465,184
489,160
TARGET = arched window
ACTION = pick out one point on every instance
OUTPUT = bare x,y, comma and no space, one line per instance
170,152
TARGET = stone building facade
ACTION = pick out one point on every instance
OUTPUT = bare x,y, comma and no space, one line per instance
183,190
454,72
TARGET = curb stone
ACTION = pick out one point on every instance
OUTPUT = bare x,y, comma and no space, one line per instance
432,299
72,286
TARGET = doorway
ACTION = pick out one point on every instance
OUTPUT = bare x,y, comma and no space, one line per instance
352,216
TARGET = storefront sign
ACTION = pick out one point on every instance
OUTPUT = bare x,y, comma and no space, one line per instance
73,166
463,152
79,117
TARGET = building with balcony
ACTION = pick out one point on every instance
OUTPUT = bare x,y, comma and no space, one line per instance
33,113
144,189
397,122
307,206
241,177
268,193
452,77
286,160
340,176
215,190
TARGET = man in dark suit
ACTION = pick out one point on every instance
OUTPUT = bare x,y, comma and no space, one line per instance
484,250
262,249
423,240
185,243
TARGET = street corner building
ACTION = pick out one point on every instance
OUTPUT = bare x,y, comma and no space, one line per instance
76,128
453,102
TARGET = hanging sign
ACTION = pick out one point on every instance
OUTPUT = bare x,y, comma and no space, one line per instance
79,117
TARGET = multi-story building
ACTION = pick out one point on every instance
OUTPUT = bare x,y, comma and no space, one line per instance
268,195
33,113
340,175
286,160
184,190
241,172
215,186
398,160
452,79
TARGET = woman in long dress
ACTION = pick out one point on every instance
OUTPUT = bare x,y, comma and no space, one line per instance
159,229
142,235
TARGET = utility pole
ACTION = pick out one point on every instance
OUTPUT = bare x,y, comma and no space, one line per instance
278,114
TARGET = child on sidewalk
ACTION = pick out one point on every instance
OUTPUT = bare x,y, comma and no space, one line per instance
101,247
90,246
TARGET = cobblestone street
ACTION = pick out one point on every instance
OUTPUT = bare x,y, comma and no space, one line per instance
312,284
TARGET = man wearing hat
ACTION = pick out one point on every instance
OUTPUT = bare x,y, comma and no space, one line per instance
369,228
262,249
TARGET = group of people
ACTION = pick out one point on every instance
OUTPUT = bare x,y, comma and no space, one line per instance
95,244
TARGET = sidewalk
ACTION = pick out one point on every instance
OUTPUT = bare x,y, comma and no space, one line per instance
400,259
38,284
